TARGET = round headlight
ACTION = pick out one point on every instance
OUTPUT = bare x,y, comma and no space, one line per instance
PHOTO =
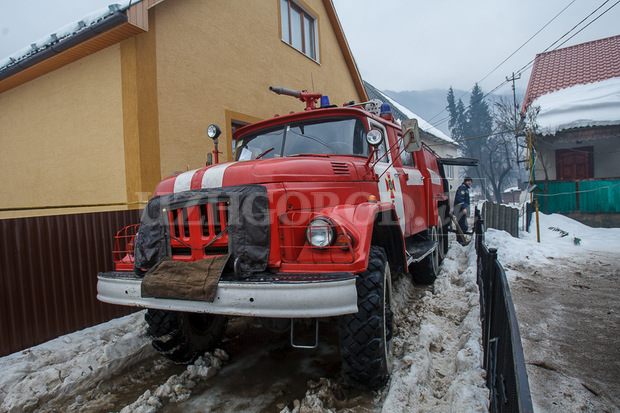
374,137
320,232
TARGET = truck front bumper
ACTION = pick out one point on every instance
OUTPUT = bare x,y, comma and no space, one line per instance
322,295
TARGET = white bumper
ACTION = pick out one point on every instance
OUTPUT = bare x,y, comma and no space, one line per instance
259,299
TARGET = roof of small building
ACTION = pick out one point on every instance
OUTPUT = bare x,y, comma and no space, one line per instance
401,113
581,64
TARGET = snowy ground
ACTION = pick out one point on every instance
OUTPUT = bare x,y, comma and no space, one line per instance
111,367
565,290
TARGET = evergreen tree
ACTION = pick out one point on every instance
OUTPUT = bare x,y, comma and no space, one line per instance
457,116
479,119
472,127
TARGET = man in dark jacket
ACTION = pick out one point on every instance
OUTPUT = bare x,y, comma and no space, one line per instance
461,205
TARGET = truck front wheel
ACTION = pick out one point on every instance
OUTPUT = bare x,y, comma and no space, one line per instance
366,337
183,337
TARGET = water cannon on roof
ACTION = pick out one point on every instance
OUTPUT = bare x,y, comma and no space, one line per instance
308,98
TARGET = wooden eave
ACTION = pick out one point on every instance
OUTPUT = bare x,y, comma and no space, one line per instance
137,23
346,51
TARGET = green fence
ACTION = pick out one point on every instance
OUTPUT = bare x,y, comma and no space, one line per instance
591,196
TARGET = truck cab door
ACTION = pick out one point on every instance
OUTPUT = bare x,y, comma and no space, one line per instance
413,190
389,184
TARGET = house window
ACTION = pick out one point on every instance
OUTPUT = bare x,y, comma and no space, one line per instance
449,169
298,28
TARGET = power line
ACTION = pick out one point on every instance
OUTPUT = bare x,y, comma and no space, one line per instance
527,41
529,64
504,61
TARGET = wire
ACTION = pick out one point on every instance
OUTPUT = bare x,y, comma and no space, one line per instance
443,120
531,62
527,41
579,192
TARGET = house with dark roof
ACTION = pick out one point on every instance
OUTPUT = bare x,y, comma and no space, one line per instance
574,97
442,144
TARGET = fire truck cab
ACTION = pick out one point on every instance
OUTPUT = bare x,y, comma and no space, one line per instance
316,212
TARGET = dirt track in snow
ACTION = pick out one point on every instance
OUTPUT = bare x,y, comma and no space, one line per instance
436,366
569,317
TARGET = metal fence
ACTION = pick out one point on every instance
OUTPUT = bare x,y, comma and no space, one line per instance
501,217
503,352
48,268
589,196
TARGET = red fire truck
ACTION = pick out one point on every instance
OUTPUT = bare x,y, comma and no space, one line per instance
309,222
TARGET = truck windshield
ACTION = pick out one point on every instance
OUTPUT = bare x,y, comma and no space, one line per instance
336,136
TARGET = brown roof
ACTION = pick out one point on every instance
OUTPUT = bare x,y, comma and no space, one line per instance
575,65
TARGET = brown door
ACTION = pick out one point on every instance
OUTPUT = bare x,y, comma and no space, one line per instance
574,164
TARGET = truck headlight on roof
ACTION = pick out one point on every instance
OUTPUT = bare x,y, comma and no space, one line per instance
320,232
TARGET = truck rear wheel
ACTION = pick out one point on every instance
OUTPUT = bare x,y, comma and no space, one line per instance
183,337
425,271
366,337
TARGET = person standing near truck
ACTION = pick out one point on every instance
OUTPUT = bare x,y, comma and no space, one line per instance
461,206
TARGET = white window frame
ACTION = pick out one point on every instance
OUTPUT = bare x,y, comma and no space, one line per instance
449,169
286,7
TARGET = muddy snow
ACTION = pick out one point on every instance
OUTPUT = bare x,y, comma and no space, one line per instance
111,367
565,290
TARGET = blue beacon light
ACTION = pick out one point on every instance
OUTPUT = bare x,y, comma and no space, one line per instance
324,101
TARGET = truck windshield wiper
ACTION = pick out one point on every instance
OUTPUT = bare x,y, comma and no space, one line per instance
260,155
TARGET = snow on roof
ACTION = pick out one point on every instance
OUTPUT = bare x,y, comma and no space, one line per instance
594,104
373,92
65,31
424,125
575,65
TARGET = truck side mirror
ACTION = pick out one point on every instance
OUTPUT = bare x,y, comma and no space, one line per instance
411,135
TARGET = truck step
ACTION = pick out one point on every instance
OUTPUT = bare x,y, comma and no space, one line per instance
418,251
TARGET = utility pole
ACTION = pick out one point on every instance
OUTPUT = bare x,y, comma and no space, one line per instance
514,94
514,104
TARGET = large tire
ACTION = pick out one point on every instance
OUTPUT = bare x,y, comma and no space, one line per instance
443,242
183,337
425,271
366,336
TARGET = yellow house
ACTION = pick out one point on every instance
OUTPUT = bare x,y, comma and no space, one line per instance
92,122
99,120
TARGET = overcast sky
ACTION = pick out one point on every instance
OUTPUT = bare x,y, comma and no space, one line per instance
425,44
398,44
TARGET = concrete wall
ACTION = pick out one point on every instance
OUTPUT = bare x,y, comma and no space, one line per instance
215,63
605,157
62,137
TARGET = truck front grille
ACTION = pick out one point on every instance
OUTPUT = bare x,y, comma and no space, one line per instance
193,229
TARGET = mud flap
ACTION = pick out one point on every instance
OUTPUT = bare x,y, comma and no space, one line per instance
194,280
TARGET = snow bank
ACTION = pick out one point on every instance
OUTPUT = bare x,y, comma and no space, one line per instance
593,104
71,363
441,369
560,236
178,388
